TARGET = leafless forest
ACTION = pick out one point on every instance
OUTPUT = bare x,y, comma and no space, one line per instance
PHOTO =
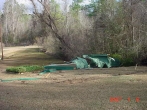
116,27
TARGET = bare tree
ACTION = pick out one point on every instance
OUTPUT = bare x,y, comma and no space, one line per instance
48,19
16,23
1,42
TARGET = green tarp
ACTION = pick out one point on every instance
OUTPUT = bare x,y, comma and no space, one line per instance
58,67
102,61
92,61
80,63
98,60
115,62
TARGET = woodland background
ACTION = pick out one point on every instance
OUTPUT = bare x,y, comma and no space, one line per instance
115,27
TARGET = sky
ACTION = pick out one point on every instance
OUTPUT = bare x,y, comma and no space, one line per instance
1,4
27,3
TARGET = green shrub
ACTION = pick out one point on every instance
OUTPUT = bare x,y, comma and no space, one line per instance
117,56
33,68
16,69
22,69
128,62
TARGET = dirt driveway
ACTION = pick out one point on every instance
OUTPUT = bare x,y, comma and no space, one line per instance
121,88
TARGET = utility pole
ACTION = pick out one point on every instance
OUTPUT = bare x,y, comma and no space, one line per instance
1,42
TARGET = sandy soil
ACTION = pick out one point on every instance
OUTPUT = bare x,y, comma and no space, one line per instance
75,90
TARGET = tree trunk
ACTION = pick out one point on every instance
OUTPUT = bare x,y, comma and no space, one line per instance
1,42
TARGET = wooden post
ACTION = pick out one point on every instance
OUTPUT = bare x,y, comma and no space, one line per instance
1,42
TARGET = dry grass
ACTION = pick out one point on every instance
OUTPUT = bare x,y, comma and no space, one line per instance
27,55
74,90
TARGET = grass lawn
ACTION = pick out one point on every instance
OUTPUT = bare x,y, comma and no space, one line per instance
121,88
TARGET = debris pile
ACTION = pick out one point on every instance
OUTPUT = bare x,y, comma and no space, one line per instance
87,61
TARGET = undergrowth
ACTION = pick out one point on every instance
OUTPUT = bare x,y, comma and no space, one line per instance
23,69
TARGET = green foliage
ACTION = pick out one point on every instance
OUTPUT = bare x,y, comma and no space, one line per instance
23,69
90,9
117,56
16,70
76,7
33,68
128,62
129,59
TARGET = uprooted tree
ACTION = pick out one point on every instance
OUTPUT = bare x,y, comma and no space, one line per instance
114,27
48,18
65,27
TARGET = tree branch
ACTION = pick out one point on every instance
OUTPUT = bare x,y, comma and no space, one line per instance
49,21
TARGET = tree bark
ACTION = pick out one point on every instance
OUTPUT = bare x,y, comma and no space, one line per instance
49,21
1,42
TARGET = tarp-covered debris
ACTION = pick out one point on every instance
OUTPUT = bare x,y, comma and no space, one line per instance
80,63
58,67
100,61
88,61
115,62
